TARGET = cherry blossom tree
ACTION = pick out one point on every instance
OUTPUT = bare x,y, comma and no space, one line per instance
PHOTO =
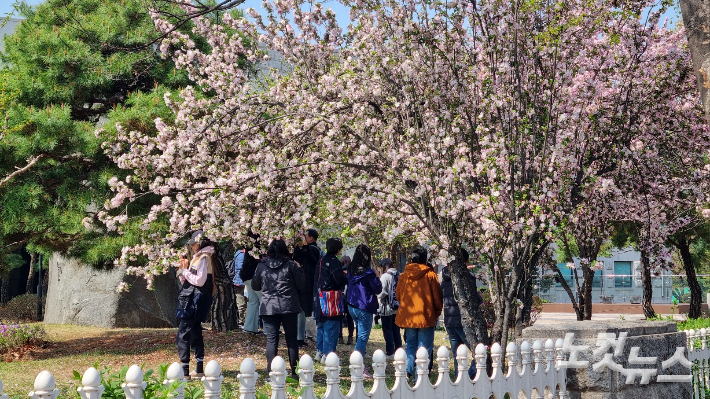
479,124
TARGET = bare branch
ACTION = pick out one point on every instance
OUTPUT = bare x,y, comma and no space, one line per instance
30,163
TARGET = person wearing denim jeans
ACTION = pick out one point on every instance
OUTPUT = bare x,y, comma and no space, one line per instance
457,337
327,335
363,287
363,321
329,276
417,338
420,304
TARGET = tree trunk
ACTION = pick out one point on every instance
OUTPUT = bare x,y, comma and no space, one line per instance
474,324
224,306
647,286
512,291
587,282
695,292
31,276
568,290
696,18
5,291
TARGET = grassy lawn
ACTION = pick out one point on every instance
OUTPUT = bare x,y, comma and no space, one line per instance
79,347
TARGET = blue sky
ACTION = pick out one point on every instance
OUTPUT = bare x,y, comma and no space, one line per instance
340,10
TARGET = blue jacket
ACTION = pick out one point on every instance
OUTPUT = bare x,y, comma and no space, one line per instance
363,289
238,263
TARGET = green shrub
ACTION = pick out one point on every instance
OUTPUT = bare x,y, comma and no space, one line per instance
694,324
20,309
154,384
13,336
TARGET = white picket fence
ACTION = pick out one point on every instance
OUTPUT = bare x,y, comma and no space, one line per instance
699,355
538,374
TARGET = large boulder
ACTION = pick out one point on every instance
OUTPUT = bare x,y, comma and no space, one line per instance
79,294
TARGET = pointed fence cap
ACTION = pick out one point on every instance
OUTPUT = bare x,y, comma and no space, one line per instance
91,378
212,369
45,381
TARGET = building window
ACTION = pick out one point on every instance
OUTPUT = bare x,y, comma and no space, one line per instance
597,280
566,274
623,272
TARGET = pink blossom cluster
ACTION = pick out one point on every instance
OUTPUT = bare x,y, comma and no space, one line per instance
492,126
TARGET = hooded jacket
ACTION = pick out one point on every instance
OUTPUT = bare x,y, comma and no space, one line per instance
420,297
363,289
280,282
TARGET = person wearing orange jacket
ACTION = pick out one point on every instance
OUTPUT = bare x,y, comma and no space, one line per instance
420,304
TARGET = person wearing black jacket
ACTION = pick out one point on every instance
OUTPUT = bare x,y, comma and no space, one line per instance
251,319
279,279
307,255
452,317
329,277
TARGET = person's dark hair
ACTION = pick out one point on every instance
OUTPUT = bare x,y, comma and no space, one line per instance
313,233
333,245
278,250
418,255
361,260
465,256
345,260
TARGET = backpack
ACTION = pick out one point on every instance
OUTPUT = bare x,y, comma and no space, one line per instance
392,300
230,269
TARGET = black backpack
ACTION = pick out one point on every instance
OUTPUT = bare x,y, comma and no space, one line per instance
392,300
230,269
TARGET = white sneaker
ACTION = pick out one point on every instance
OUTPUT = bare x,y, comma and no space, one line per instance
317,356
322,358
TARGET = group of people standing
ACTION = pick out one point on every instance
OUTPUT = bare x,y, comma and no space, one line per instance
287,290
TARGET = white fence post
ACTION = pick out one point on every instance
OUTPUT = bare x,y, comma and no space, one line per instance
134,385
92,388
247,379
306,373
278,378
548,371
357,367
462,355
175,373
213,380
379,385
332,377
45,386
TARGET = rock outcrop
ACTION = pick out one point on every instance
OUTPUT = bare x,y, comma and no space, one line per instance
79,294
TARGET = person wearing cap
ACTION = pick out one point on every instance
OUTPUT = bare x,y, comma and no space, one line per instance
194,301
390,330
